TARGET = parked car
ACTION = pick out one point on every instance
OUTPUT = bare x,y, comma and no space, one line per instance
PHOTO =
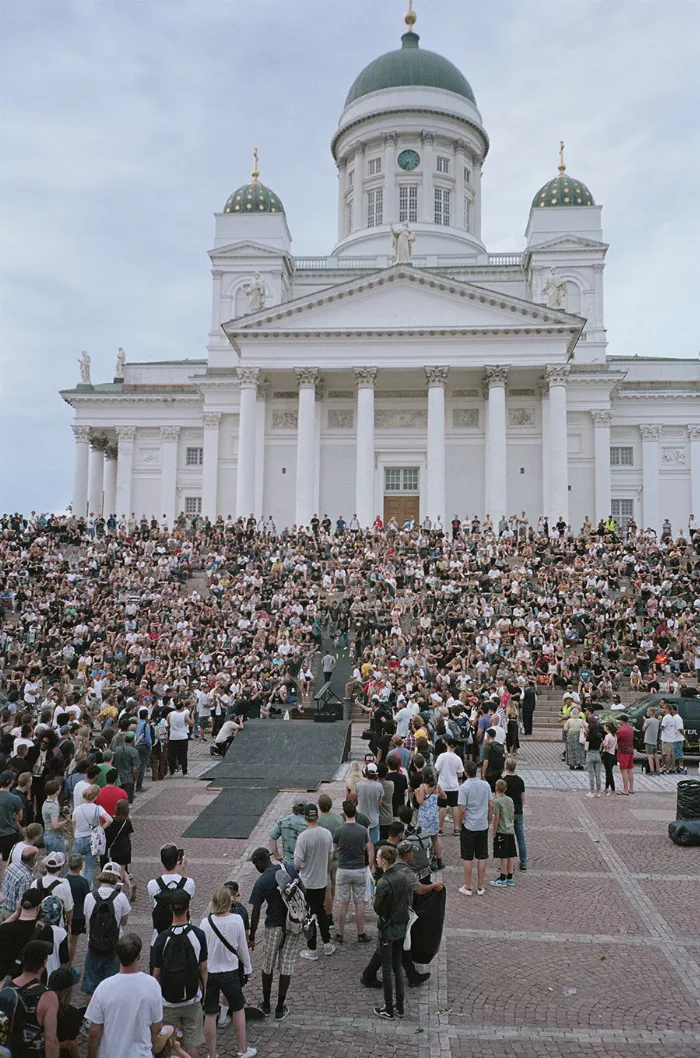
688,708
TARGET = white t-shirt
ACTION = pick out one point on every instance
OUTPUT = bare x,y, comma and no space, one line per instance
78,791
62,891
86,816
500,735
126,1005
678,728
449,768
177,724
120,906
220,959
668,728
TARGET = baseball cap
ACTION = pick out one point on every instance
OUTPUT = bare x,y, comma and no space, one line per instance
5,777
404,847
491,732
371,767
54,860
311,811
112,868
51,910
299,802
60,979
130,736
32,898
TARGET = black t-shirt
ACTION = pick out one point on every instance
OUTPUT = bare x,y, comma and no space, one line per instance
265,889
495,756
515,788
400,786
79,887
13,938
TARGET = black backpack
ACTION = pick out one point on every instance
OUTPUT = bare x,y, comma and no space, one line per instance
163,910
179,967
104,928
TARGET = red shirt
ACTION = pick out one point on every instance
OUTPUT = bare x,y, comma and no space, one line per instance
108,796
625,739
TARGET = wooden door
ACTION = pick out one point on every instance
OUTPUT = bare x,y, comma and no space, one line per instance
400,508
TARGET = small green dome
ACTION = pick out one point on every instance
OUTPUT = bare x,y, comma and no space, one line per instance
563,190
410,66
254,198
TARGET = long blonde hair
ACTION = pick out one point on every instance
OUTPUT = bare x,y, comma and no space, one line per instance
354,776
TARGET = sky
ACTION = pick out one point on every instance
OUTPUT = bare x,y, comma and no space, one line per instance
125,124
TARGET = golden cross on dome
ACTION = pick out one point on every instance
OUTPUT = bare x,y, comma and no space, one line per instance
410,17
255,174
561,167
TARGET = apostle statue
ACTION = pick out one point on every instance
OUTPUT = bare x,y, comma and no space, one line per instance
402,242
119,366
84,362
554,290
256,293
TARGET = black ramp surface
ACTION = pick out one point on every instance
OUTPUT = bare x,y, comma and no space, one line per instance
285,754
233,814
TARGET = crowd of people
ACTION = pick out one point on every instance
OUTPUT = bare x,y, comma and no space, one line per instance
111,665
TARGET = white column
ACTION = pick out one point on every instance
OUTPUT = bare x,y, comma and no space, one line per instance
556,376
210,465
97,474
694,439
545,450
263,393
342,190
426,213
216,303
365,377
601,451
359,185
125,463
476,205
245,480
169,437
496,490
435,491
110,493
651,435
460,159
307,377
81,435
391,209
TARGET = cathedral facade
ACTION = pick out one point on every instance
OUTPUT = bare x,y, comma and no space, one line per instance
410,372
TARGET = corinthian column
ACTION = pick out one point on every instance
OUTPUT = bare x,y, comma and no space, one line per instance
125,463
435,491
110,504
694,439
210,464
365,377
81,435
496,490
169,437
556,377
601,455
307,377
651,435
245,481
97,474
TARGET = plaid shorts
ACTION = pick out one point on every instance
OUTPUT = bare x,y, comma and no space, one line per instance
282,948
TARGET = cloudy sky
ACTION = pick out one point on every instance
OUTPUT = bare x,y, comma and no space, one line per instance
127,123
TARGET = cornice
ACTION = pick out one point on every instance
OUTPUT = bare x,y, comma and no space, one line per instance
370,118
391,333
131,398
659,394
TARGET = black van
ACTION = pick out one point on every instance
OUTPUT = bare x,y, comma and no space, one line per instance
688,709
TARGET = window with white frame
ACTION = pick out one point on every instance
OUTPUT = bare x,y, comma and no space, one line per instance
351,178
467,176
621,456
374,166
193,504
408,202
349,216
622,511
443,164
467,215
194,457
401,479
442,205
375,208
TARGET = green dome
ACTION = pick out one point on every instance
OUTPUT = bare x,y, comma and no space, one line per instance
253,198
563,190
410,66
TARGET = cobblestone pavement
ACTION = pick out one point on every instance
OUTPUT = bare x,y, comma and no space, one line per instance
594,952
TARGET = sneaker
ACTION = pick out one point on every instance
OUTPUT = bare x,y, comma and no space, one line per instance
224,1020
498,882
399,1013
280,1015
362,938
328,949
522,866
455,833
591,794
308,954
441,833
480,892
370,982
265,1011
382,1012
250,1053
510,881
464,891
339,938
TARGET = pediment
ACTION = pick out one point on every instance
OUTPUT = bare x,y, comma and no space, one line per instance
569,242
245,248
403,298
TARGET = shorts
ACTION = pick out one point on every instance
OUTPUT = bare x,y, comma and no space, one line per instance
650,748
451,797
204,723
190,1018
77,927
504,847
474,844
281,947
626,761
352,883
678,750
227,982
7,843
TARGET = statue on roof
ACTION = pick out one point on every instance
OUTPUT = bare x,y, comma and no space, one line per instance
402,243
119,366
256,293
554,290
84,362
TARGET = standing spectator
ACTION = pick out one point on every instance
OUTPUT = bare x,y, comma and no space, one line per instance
369,797
33,1033
625,754
494,759
392,900
182,974
18,877
143,744
281,944
174,877
668,736
332,821
49,929
288,828
450,772
126,1010
79,887
54,823
179,726
503,835
650,730
118,836
592,745
678,741
328,666
399,781
106,914
355,854
474,812
609,756
227,951
54,885
428,794
16,931
313,856
86,820
386,808
515,788
529,703
127,761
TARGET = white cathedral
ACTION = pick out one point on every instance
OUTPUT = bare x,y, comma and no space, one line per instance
410,373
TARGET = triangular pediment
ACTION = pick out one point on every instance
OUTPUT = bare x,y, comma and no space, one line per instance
403,298
245,248
569,242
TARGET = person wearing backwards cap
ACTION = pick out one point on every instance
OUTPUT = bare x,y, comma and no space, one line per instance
313,856
288,828
369,797
17,930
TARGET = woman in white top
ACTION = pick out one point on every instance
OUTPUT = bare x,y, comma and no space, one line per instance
225,931
87,817
180,724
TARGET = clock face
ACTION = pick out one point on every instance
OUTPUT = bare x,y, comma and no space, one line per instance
409,160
